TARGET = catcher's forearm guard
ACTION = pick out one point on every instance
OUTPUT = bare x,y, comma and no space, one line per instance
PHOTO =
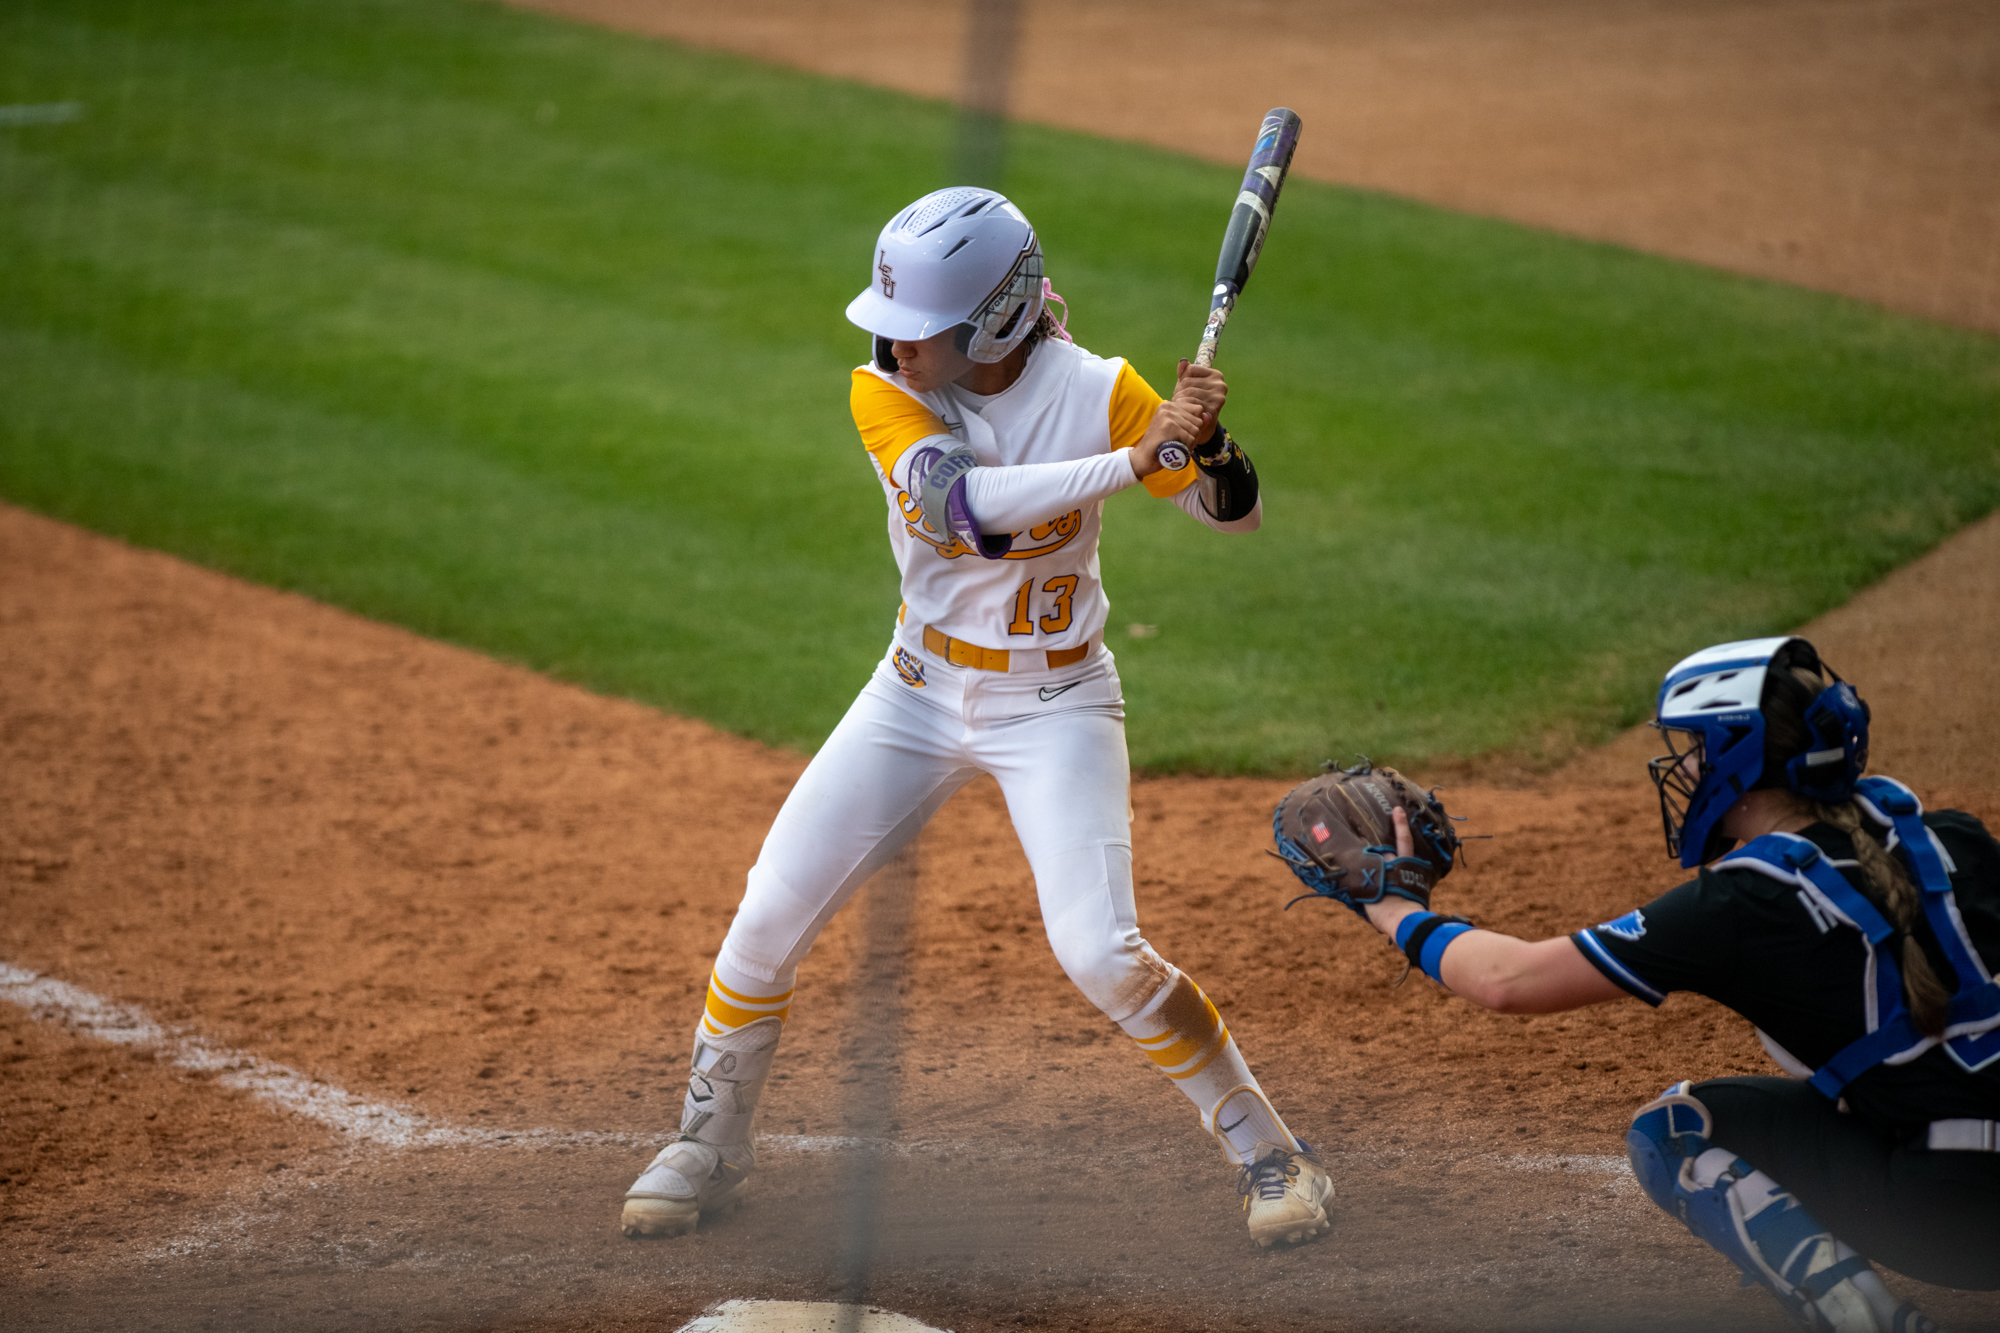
1336,833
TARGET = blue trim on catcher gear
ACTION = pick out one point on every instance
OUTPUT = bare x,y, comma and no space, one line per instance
1428,934
1733,759
1607,963
1773,1248
1313,875
1655,1168
1707,1214
1830,1277
1432,958
1977,999
1796,858
1781,1233
1732,741
1839,723
1893,1032
1732,751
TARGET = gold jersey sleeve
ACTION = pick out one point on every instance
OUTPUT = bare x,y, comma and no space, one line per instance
1133,403
890,421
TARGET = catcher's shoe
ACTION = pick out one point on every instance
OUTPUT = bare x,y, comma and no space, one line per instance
668,1197
1284,1195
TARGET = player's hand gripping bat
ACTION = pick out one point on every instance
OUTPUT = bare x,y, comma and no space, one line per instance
1249,224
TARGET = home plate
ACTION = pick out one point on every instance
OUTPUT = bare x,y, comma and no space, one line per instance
801,1317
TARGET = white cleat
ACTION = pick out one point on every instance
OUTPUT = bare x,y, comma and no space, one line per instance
1285,1194
686,1177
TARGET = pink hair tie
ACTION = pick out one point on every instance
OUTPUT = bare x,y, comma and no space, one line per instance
1062,325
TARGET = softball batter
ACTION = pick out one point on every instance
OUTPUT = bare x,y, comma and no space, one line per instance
1856,931
996,440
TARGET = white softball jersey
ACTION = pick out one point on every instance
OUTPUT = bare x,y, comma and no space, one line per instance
1051,448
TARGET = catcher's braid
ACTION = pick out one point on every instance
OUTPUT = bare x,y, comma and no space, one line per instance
1337,833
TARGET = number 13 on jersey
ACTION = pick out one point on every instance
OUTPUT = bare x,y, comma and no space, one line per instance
1062,588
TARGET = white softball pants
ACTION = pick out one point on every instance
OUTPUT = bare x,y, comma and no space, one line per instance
921,729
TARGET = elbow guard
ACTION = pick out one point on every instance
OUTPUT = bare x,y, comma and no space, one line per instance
937,480
1224,463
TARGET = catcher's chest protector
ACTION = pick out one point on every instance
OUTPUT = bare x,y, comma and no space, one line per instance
1972,1027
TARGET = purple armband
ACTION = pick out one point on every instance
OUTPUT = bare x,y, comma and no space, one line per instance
937,480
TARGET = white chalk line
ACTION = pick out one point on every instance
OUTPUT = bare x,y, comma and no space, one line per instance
1603,1163
387,1125
382,1124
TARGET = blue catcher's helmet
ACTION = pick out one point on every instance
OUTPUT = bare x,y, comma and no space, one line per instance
1711,712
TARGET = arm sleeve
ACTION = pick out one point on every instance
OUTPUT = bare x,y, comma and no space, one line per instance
1199,501
891,422
1014,499
1678,941
1133,403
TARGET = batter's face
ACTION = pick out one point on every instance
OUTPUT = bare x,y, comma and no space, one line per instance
931,363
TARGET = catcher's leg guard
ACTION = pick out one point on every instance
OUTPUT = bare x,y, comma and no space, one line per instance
1664,1132
714,1150
1754,1222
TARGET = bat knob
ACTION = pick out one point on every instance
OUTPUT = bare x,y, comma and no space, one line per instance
1174,455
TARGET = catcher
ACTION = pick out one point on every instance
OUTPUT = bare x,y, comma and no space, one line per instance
1850,926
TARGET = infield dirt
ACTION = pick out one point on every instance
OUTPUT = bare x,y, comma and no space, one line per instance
446,884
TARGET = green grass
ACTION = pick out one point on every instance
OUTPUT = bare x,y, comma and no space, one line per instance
528,336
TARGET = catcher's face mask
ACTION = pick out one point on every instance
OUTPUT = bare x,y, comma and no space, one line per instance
1677,776
1709,707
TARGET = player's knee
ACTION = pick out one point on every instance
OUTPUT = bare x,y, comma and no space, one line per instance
1118,973
1094,932
774,927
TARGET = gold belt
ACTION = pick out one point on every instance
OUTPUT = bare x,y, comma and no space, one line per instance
960,653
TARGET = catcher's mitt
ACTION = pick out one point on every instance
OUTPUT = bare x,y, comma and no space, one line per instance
1335,832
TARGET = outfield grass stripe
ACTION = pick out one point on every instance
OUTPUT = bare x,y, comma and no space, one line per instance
528,335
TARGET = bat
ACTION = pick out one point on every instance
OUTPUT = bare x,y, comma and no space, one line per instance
1250,221
1249,224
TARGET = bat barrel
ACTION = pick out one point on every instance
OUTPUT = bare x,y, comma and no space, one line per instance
1249,221
1277,140
1270,160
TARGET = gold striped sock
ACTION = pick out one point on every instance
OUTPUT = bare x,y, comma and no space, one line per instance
1194,1035
728,1009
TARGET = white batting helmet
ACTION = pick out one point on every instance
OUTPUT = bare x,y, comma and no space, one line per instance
962,258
